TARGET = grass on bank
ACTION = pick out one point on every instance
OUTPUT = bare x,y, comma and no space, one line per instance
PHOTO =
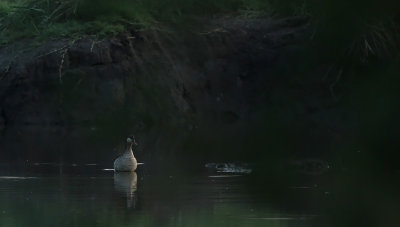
46,19
357,29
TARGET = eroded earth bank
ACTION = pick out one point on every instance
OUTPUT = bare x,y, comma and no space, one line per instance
235,89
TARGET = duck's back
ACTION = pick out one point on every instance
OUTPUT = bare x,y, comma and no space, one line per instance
125,163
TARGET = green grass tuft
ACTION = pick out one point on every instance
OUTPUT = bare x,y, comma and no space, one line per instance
45,19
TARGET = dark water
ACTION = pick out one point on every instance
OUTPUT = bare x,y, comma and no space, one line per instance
90,195
101,198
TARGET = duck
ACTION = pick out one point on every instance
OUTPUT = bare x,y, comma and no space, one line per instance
127,161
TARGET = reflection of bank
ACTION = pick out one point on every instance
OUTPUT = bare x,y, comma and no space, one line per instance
126,183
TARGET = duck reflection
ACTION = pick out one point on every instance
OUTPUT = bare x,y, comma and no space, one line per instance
126,183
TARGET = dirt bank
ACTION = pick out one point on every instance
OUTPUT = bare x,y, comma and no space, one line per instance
229,78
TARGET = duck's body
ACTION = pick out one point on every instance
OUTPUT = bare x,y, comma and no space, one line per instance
127,161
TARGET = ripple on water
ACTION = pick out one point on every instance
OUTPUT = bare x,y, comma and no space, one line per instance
223,176
16,178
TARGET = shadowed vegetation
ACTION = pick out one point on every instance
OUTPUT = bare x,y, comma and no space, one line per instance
358,30
48,18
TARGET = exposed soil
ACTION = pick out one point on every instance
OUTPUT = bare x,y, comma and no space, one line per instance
232,79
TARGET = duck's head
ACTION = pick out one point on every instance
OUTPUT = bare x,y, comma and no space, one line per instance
131,140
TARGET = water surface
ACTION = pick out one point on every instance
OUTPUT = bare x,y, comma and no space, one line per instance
103,198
